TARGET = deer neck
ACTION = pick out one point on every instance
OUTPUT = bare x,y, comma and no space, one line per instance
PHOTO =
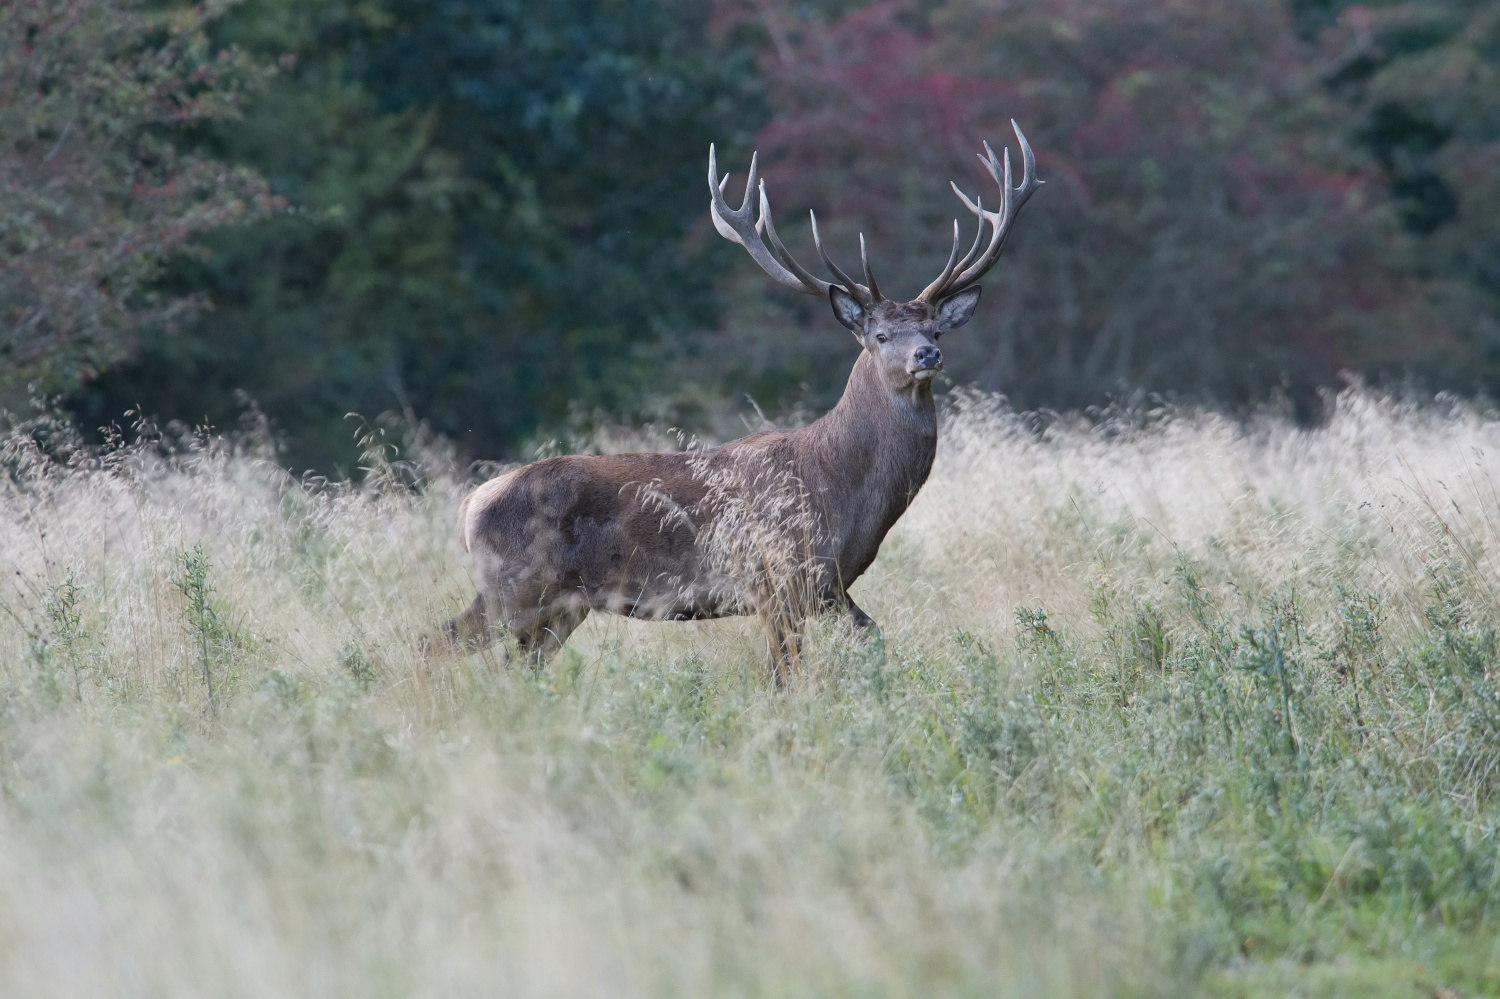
871,408
876,445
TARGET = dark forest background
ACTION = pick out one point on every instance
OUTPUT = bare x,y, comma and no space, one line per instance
492,214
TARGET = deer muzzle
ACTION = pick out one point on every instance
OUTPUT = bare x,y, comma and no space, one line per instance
926,361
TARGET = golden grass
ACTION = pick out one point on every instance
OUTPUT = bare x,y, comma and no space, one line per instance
648,815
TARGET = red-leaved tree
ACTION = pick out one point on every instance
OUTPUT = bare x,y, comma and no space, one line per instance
1207,226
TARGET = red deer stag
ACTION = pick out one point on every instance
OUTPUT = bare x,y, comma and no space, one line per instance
777,524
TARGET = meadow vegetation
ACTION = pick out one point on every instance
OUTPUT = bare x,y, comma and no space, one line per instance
1166,704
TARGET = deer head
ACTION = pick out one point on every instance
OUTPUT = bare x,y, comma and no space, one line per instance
901,336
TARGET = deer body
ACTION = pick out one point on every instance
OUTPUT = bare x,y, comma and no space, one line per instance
558,538
778,524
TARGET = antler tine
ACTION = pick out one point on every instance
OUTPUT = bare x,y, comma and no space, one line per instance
1011,201
779,248
978,233
737,226
942,278
852,286
935,290
864,261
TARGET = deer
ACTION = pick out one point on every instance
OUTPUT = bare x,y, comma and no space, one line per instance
674,536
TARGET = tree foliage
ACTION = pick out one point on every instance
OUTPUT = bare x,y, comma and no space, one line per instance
94,192
1422,81
499,219
496,198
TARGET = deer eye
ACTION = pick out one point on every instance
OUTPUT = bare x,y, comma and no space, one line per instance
880,337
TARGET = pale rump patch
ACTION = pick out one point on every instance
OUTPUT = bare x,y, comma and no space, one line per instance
479,498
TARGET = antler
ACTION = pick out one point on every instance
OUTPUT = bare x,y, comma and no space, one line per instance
735,225
959,274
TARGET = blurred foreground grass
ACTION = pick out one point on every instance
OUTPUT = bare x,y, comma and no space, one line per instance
1165,707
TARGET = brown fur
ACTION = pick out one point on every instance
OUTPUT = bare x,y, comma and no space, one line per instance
629,533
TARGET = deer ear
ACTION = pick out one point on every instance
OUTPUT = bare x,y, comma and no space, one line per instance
847,310
957,309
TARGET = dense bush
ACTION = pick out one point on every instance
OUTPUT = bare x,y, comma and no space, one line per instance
95,189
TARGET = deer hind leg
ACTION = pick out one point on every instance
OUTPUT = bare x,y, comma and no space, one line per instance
539,634
537,625
471,630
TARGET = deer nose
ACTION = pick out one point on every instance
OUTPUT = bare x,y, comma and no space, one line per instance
928,356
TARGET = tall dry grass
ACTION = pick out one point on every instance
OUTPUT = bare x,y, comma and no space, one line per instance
1022,510
1166,704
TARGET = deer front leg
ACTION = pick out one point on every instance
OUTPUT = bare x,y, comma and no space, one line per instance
866,631
783,621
